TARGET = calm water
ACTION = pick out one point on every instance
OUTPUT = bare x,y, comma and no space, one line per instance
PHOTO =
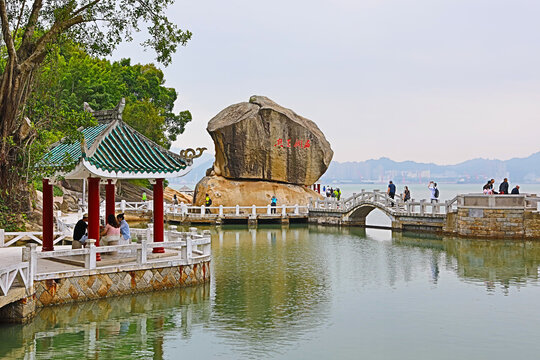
314,293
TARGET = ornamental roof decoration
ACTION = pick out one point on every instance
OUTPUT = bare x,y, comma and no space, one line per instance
113,149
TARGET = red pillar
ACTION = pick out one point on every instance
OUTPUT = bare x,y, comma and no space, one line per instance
93,211
158,214
109,199
48,219
319,188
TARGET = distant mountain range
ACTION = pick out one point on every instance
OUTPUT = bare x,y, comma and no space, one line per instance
523,170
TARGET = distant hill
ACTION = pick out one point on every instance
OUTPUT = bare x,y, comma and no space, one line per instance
524,170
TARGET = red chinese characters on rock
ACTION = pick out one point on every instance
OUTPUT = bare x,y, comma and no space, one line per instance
282,143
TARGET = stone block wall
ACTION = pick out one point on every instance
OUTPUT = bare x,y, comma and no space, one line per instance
531,223
490,223
102,285
19,311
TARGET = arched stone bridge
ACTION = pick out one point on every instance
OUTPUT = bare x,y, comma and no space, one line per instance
410,215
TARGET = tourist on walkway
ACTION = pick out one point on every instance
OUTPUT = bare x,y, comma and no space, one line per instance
338,194
111,232
144,198
174,200
79,233
406,194
391,191
207,203
503,188
432,186
515,191
124,229
273,204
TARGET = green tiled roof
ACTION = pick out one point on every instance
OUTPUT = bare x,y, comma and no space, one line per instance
116,147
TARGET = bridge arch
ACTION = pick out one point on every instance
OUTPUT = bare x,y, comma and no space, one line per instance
359,213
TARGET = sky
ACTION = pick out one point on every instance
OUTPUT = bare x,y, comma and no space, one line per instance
438,81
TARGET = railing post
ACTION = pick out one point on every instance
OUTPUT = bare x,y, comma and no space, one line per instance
220,210
409,208
237,210
268,210
123,205
202,210
422,207
296,210
2,237
253,210
283,210
207,248
90,257
149,229
30,255
183,249
142,252
189,250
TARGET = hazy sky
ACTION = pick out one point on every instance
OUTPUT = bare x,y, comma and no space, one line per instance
424,80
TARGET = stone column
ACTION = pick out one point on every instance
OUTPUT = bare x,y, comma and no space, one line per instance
48,218
93,211
158,215
109,199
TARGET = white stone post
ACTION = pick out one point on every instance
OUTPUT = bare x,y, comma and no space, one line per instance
283,210
90,256
123,205
202,210
268,210
29,254
220,210
296,210
183,249
189,250
237,210
149,231
142,253
2,237
253,210
422,207
207,248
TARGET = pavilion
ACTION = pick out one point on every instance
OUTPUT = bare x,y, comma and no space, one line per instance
109,151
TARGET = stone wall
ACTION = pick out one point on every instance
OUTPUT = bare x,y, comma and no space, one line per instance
490,223
102,285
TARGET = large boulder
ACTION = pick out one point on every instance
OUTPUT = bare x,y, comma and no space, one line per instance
228,192
262,140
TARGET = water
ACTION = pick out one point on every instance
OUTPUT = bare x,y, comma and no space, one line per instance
307,292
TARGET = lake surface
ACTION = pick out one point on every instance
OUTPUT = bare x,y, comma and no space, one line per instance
310,292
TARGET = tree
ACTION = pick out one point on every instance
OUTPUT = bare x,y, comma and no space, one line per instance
29,33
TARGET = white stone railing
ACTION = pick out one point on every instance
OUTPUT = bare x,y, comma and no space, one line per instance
193,248
213,211
381,200
8,238
20,271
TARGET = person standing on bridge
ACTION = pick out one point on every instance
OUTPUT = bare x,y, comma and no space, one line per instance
406,194
503,188
391,191
273,204
515,191
207,203
432,186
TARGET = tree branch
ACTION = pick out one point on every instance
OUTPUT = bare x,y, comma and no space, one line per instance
31,25
85,7
19,18
6,33
49,37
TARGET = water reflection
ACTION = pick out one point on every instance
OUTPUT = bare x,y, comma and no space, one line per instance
304,291
128,327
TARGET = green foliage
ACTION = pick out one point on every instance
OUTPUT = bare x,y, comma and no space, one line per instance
10,221
74,77
38,185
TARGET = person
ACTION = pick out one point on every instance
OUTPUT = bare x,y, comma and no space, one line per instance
503,188
111,231
79,233
432,186
515,191
144,198
273,204
124,228
174,200
391,191
406,194
324,189
333,193
207,203
338,194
